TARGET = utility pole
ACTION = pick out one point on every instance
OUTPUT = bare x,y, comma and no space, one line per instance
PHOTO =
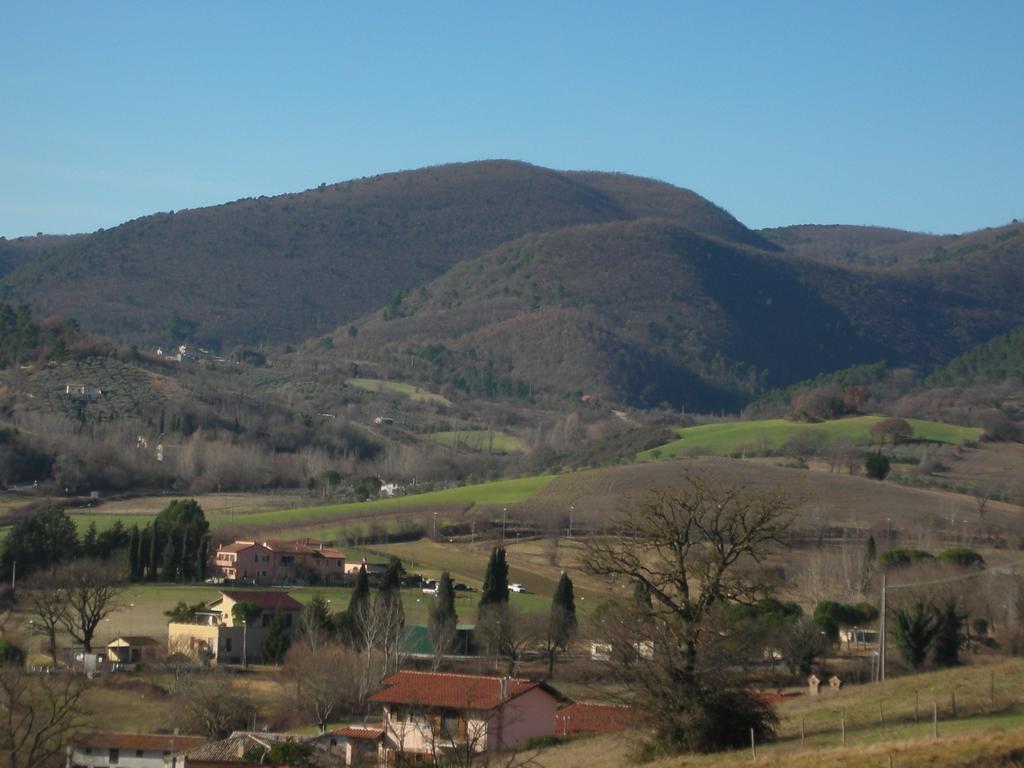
245,655
572,509
504,511
881,636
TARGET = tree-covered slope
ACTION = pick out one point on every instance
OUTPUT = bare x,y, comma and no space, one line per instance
290,267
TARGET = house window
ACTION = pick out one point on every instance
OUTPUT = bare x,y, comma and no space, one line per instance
227,644
139,753
114,757
267,618
450,725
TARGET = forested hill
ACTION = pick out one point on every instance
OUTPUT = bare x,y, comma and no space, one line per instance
996,360
648,312
290,267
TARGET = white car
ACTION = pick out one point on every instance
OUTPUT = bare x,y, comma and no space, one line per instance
516,588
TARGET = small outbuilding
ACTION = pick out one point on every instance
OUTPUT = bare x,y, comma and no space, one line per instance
134,649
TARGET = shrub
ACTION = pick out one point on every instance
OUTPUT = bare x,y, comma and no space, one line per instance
963,557
901,558
877,466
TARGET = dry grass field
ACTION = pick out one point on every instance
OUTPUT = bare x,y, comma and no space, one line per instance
823,498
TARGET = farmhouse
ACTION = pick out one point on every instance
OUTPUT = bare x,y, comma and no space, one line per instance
214,635
280,562
428,712
129,750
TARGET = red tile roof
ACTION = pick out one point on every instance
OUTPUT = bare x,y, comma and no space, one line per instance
267,600
371,732
238,546
434,689
146,741
593,718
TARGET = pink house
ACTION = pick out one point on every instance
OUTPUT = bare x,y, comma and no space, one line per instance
426,713
278,562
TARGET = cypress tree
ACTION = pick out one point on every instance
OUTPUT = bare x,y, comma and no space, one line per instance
169,571
562,622
185,557
495,588
949,634
153,540
202,557
134,554
443,618
359,606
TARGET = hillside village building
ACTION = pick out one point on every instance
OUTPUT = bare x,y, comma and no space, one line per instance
215,636
280,562
426,713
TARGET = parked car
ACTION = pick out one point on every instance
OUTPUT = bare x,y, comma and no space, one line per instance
516,588
460,587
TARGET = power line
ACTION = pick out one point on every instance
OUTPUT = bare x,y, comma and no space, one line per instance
1002,569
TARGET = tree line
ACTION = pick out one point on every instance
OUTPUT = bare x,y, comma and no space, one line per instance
173,548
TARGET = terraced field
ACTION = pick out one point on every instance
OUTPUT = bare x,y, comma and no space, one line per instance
751,437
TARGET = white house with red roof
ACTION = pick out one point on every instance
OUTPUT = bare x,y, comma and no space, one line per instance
215,635
128,750
429,713
280,562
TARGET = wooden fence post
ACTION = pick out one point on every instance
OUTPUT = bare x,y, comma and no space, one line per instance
802,729
917,696
753,749
935,720
881,716
842,725
952,699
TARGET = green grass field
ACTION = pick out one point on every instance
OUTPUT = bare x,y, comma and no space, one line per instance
758,436
480,440
399,389
485,494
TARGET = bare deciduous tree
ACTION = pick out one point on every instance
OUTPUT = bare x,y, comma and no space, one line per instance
38,715
326,680
688,551
210,703
93,589
47,598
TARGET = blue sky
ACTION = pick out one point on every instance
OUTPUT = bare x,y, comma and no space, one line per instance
906,114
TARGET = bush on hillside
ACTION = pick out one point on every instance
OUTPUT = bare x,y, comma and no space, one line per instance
963,557
901,558
877,466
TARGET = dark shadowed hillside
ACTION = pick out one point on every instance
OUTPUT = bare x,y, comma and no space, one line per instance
648,311
20,250
290,267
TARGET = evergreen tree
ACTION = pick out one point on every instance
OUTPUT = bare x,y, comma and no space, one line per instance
949,634
151,575
169,569
443,619
495,590
39,541
914,630
493,619
276,643
202,558
89,548
359,607
315,625
185,560
562,622
134,554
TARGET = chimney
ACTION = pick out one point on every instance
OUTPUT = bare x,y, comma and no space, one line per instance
503,688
